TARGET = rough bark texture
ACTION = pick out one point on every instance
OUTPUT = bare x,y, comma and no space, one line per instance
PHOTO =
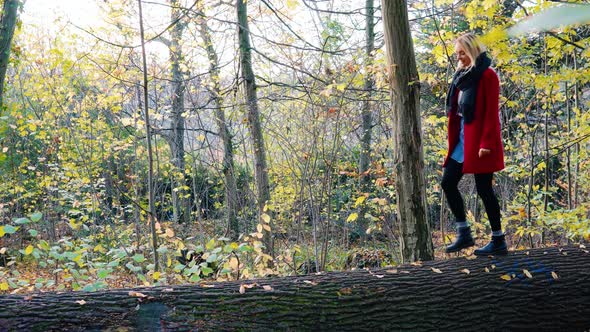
416,243
7,25
231,188
180,204
261,170
365,156
412,298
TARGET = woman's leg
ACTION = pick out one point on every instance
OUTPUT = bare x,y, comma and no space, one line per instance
497,246
451,177
483,183
452,174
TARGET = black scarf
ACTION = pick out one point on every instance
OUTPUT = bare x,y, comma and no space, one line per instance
467,81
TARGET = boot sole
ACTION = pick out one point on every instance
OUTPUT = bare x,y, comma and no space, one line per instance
460,248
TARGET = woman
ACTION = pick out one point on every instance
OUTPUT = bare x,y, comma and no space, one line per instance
475,143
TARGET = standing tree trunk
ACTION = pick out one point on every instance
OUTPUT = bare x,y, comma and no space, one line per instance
416,241
365,156
7,25
180,204
260,168
152,212
231,189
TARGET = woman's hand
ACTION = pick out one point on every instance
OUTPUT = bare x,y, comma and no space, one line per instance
484,152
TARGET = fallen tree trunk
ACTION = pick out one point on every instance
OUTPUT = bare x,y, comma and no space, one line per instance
541,289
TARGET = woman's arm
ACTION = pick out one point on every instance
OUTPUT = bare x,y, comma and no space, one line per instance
491,116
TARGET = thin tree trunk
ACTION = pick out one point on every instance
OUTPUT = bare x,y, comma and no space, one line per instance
7,25
365,155
261,169
568,161
577,107
180,204
231,189
468,295
152,212
416,240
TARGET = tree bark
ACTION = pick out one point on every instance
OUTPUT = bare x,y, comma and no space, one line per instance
231,188
367,123
547,290
416,241
180,204
148,130
7,25
260,169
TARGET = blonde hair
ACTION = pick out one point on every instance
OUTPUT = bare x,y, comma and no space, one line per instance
472,46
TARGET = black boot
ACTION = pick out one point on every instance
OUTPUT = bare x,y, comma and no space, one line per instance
496,247
464,240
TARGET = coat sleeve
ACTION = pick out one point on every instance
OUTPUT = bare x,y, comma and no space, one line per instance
491,119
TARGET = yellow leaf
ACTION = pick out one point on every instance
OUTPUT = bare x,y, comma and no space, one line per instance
233,263
2,231
486,269
99,248
391,271
554,275
259,228
136,294
156,275
527,273
81,302
29,250
434,269
4,286
466,271
267,288
506,277
266,227
359,200
3,251
265,217
352,217
169,232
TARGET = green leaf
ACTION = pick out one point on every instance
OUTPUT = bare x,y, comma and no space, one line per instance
227,249
43,245
22,221
10,229
103,273
211,258
33,232
89,288
36,216
206,271
114,263
132,267
138,258
244,248
551,18
210,245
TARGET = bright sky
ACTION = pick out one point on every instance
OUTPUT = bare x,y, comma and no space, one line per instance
87,15
80,12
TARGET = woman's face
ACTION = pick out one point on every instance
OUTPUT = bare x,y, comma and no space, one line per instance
462,55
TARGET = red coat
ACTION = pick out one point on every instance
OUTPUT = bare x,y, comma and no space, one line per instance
483,132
